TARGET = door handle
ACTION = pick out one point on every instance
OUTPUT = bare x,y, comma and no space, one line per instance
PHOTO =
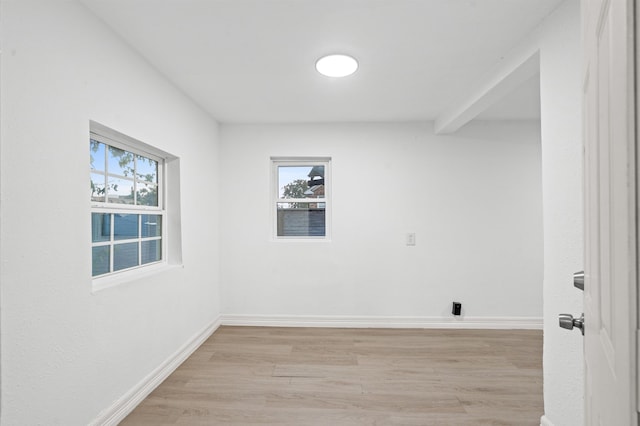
569,322
578,280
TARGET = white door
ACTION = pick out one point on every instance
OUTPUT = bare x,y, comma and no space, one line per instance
610,299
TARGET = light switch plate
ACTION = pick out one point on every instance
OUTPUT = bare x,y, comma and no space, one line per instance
411,239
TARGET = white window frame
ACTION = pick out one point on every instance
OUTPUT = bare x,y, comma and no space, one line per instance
275,194
117,140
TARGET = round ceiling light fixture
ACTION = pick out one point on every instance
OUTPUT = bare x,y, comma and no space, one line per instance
336,65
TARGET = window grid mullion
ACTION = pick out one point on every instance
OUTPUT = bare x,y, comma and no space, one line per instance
111,240
135,183
126,209
139,237
101,244
301,200
160,185
105,178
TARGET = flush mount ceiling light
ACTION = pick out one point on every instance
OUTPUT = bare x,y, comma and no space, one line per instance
336,65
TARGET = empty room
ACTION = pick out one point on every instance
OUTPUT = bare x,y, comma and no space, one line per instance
203,222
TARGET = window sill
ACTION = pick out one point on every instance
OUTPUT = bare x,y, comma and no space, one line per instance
301,240
102,283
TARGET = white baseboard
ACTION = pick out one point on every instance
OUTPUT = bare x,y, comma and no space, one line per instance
115,413
502,323
544,421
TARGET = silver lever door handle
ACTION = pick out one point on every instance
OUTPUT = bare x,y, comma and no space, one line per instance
569,322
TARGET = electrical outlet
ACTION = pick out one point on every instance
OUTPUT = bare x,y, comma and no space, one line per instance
457,308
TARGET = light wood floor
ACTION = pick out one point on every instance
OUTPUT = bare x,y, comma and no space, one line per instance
319,376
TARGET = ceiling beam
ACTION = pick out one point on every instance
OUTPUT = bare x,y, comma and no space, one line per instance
512,71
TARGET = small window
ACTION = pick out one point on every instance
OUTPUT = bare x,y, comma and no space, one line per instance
301,198
127,211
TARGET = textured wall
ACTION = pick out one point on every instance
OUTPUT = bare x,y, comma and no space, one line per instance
67,354
473,200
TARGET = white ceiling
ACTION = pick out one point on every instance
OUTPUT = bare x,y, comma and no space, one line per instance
252,61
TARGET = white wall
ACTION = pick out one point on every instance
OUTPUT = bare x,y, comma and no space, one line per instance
67,354
560,91
473,200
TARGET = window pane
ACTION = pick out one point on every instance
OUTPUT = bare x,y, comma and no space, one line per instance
151,251
125,226
120,191
151,225
147,194
301,220
125,256
146,169
96,155
301,181
120,162
100,227
99,260
97,187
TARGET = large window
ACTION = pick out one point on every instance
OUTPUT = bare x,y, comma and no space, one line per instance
127,211
301,197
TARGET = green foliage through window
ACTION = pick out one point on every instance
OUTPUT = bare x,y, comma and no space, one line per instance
122,177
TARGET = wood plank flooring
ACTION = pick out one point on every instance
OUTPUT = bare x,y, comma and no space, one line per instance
329,376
